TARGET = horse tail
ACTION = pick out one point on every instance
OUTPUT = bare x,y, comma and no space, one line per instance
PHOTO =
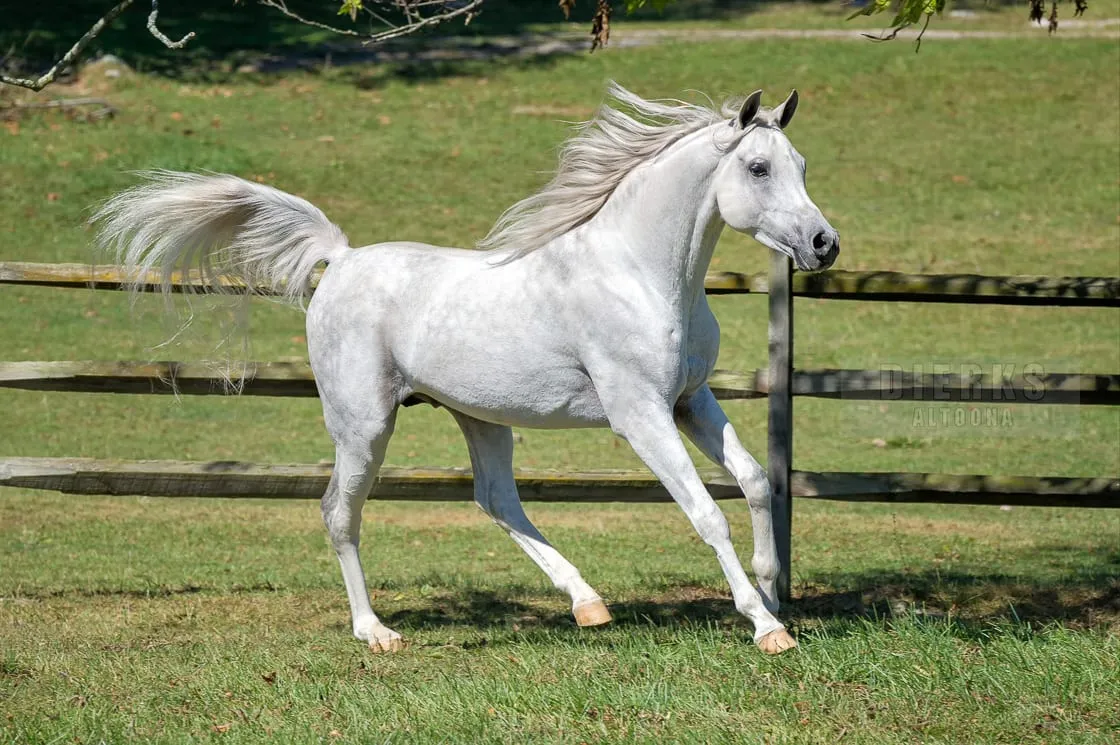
231,231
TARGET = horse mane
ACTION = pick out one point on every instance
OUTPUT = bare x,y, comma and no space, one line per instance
594,162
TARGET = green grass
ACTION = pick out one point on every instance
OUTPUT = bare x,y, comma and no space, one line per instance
128,618
158,620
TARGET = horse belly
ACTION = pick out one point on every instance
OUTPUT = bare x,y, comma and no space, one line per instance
558,398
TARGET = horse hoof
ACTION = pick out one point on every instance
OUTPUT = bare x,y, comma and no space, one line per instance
386,645
592,613
776,642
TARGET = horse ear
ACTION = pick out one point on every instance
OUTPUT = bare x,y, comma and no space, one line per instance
750,108
785,111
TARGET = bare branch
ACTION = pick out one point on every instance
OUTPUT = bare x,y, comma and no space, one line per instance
281,6
413,11
467,9
38,84
152,17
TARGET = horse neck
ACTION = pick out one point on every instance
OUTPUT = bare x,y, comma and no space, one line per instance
664,215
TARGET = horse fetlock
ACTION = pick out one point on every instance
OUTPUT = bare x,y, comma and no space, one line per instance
571,582
768,591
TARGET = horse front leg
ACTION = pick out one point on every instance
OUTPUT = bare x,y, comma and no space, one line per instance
702,419
648,425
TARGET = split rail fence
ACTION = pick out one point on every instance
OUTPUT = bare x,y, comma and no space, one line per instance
780,383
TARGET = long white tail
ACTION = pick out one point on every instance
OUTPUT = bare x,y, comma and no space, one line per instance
223,227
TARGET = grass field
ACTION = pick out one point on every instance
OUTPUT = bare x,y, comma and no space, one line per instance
137,619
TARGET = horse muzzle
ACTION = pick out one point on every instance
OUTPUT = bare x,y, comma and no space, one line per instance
825,248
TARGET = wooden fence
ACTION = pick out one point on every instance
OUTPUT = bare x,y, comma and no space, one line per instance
780,383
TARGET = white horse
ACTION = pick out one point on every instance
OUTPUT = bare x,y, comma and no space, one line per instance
588,310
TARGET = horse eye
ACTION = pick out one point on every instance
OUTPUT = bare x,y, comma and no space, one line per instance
758,168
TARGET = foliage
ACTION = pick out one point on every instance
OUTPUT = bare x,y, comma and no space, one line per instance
376,21
912,12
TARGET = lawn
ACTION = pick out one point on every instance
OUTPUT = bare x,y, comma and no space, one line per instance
173,620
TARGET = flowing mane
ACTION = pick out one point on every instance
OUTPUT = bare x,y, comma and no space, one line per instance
594,162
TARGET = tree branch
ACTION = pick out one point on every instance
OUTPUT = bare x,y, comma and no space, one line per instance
416,22
281,6
38,84
413,12
159,34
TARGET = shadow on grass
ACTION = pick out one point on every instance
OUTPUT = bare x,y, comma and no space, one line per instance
1084,602
145,593
973,603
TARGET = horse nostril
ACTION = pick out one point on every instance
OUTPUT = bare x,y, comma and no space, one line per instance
822,240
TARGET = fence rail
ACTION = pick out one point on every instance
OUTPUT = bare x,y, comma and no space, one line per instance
1101,292
296,379
308,481
780,383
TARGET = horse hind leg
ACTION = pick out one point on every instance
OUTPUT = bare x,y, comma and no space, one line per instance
357,461
491,449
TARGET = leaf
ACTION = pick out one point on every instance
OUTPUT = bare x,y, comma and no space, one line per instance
350,8
879,6
601,25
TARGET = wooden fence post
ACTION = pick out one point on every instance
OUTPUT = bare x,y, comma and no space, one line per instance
779,460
